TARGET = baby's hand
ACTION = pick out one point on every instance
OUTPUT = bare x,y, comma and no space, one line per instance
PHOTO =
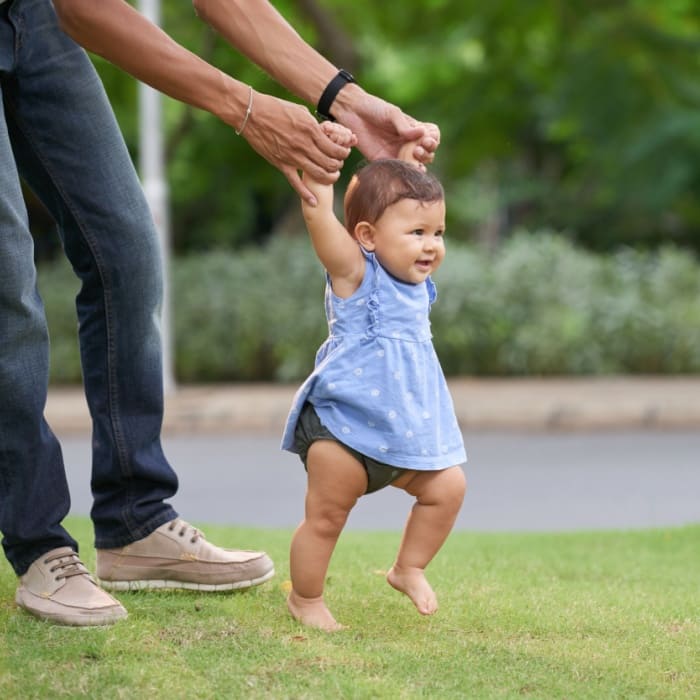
407,151
339,134
342,136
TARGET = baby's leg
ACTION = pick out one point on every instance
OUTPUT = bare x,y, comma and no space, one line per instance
439,497
335,481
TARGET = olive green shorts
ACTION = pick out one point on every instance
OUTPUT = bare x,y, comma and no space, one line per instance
309,429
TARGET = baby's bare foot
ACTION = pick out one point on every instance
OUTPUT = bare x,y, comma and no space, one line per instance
312,612
413,583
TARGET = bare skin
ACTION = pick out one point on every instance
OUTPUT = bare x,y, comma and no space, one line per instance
439,497
312,612
412,582
335,482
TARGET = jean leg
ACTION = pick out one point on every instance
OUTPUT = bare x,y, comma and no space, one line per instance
34,497
69,149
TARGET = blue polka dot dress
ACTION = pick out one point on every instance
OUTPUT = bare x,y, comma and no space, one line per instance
377,383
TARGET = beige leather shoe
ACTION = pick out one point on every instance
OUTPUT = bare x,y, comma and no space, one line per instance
57,587
177,555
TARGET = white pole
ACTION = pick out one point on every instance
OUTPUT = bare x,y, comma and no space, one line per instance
155,187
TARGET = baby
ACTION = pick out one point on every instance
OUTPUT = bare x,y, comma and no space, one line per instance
376,410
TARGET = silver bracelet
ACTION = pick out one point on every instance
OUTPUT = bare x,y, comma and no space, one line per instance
247,112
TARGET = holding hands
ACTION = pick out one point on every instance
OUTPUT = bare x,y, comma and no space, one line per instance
382,129
290,138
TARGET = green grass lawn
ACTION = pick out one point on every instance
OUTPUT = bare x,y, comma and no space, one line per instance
584,615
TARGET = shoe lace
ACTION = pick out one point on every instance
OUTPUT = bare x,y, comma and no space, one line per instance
67,564
184,528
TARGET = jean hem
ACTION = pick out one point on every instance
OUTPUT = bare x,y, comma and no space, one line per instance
134,536
21,564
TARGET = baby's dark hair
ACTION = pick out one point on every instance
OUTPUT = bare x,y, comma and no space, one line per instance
381,183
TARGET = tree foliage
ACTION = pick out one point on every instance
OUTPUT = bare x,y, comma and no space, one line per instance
577,115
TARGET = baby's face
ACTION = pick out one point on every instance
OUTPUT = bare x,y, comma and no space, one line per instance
409,239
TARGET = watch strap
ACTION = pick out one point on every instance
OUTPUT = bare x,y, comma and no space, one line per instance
325,102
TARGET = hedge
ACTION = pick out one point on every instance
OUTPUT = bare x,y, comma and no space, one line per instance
536,306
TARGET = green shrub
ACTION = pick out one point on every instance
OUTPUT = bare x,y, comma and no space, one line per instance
522,309
253,315
536,305
650,321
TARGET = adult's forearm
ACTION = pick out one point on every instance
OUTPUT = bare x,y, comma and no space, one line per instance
259,32
123,36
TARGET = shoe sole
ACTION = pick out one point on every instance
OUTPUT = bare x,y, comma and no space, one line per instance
160,584
71,619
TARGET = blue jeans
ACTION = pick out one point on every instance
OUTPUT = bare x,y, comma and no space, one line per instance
58,132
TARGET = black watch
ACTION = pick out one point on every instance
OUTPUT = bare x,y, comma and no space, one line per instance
330,93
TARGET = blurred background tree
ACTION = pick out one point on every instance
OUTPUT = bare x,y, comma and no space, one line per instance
577,121
581,116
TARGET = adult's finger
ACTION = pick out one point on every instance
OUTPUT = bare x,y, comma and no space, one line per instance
319,156
286,134
330,155
298,185
297,182
321,174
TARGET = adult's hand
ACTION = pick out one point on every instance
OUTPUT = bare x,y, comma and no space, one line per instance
382,129
290,138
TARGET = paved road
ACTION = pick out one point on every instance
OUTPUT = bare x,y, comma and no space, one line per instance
517,481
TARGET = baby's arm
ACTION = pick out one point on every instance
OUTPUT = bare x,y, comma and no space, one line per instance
337,250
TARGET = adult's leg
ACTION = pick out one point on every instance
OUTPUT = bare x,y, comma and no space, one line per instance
69,149
335,481
34,495
439,496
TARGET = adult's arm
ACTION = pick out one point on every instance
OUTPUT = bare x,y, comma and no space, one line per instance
257,30
285,134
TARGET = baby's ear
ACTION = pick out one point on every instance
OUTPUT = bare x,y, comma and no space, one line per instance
364,235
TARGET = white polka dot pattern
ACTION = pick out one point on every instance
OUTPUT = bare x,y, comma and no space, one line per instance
378,385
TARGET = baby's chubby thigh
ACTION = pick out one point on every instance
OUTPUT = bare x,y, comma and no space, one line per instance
446,486
404,481
335,481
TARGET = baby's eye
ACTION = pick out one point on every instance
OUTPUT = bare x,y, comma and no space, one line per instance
417,232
